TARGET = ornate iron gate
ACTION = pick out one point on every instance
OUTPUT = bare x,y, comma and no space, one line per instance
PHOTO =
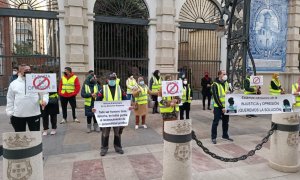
28,35
199,46
121,38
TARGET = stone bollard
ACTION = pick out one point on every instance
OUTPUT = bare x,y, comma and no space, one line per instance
284,143
22,155
177,158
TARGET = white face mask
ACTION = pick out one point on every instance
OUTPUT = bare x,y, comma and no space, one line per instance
184,82
131,77
225,78
15,72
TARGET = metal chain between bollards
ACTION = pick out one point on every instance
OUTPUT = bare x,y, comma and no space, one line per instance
243,157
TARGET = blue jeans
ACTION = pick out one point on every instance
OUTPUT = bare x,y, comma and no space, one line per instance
218,114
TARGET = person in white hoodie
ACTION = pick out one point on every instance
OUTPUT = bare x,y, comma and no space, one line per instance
23,107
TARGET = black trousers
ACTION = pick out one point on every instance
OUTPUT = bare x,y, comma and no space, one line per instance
208,96
185,108
218,114
117,137
64,103
89,119
19,123
53,119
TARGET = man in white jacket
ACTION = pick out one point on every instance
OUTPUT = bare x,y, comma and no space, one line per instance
23,107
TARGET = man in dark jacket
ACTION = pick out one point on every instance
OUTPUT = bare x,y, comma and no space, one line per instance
14,74
111,92
206,83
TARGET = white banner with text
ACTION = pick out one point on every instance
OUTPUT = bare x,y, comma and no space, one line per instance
239,104
112,113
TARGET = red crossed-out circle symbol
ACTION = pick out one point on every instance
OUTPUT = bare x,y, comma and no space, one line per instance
172,88
256,80
41,83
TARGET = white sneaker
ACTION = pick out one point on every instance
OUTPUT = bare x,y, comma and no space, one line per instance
145,126
63,121
45,133
136,126
76,120
53,132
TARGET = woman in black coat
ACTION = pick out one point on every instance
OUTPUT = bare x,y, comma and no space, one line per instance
89,92
52,110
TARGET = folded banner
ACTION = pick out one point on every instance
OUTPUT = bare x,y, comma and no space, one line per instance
112,113
239,104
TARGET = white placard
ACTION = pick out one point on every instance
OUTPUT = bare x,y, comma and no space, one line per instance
41,83
238,104
256,80
112,113
172,88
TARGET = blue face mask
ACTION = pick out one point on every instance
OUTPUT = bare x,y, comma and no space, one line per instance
142,82
112,82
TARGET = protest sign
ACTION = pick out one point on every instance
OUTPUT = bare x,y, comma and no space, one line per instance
172,88
112,113
256,80
41,83
239,104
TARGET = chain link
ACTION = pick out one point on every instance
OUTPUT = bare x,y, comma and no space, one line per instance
243,157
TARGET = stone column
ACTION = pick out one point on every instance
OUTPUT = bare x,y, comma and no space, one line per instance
22,155
152,47
177,160
284,143
166,60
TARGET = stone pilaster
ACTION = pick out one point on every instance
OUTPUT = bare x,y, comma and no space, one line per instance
166,60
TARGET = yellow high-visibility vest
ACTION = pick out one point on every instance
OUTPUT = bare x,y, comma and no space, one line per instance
294,89
68,85
221,92
273,91
107,96
156,84
248,92
88,101
55,95
184,95
165,109
118,81
143,96
131,83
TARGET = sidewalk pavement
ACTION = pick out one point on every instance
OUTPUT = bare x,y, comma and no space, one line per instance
73,154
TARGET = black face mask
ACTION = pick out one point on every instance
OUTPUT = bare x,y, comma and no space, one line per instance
26,72
65,74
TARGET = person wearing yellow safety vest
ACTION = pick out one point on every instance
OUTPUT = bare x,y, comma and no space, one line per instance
52,110
296,93
250,89
89,92
219,89
69,87
168,106
140,94
275,85
154,86
130,84
186,100
111,92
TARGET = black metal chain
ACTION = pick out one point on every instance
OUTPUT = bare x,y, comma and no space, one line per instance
243,157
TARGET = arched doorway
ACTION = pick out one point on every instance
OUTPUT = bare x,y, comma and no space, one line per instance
199,46
121,38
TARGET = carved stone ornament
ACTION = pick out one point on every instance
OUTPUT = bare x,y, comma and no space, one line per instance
292,139
292,118
182,128
19,169
18,141
182,152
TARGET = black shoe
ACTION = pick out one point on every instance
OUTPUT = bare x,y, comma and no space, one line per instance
214,141
119,150
253,115
203,108
248,116
208,108
103,152
228,139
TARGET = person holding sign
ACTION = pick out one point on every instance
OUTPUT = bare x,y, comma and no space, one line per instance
186,100
296,92
111,92
131,84
69,87
24,108
140,94
89,92
275,85
219,89
250,89
155,85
